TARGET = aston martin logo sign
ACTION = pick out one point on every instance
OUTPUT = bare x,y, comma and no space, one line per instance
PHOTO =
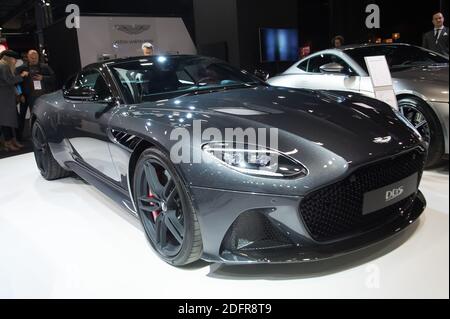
383,140
132,29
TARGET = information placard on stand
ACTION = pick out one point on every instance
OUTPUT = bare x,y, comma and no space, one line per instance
382,80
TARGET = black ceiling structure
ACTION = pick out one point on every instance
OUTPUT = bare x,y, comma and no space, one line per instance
17,16
233,24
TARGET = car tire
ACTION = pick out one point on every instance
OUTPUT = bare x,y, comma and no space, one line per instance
435,137
48,166
159,209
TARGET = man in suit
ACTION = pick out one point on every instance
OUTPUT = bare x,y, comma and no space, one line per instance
437,39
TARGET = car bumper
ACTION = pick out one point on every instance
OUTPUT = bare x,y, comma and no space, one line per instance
220,210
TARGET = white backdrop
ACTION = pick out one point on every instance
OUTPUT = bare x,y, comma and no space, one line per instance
123,37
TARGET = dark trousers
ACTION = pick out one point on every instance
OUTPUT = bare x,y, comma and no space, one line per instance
22,115
7,132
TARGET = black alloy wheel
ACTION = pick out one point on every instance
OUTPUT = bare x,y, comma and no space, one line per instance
165,210
49,168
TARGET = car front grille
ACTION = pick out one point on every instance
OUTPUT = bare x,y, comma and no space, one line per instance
336,212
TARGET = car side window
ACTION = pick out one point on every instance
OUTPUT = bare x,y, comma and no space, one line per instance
303,66
93,80
316,62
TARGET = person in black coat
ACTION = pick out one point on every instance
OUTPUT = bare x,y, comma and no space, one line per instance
437,39
41,80
8,96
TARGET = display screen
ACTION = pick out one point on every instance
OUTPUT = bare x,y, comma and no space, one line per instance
278,44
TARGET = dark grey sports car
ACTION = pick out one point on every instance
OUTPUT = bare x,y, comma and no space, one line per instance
327,174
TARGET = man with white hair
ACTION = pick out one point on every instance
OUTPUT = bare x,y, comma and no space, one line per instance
41,80
147,49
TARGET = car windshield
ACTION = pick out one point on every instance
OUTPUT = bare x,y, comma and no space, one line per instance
397,56
162,77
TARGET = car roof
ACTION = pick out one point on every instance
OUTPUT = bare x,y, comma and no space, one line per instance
345,48
348,47
369,45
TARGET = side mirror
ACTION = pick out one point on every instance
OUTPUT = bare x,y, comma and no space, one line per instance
80,94
261,74
69,83
332,68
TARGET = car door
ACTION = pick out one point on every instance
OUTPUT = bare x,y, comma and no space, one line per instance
89,109
315,78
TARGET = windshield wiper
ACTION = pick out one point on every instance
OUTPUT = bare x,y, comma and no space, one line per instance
222,88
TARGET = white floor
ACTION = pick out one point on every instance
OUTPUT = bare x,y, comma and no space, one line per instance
65,239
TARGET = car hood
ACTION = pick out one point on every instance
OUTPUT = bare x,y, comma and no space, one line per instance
347,125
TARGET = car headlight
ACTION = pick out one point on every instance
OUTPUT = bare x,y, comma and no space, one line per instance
255,160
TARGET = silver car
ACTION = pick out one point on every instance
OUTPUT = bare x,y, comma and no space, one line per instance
420,81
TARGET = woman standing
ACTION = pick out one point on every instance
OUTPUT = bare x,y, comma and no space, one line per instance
8,102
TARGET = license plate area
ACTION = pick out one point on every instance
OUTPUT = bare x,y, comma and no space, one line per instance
391,194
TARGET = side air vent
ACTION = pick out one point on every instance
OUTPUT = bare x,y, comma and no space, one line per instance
127,140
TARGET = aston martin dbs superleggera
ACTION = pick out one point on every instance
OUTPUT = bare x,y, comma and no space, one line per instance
344,174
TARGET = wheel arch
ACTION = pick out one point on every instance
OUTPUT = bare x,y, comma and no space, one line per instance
143,145
136,153
33,119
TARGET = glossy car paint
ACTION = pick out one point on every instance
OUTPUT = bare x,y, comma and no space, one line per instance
429,83
331,133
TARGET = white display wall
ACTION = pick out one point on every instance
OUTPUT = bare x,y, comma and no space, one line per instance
123,37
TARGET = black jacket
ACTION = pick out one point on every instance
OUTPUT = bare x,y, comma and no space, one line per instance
47,83
439,46
8,103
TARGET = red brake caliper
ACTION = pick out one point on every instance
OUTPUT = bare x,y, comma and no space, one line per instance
155,213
